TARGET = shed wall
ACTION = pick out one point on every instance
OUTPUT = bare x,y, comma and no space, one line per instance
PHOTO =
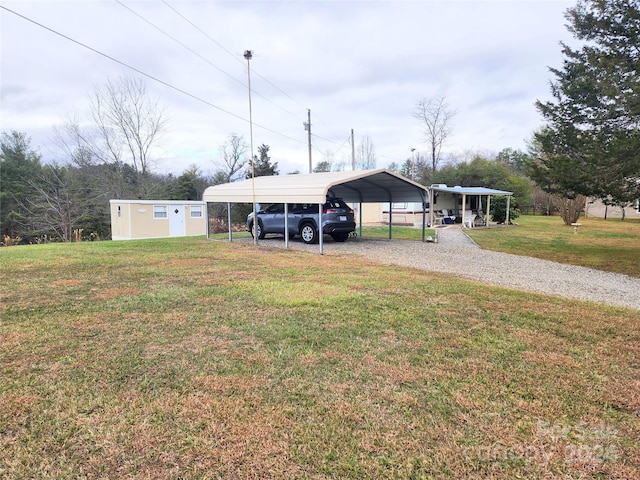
157,219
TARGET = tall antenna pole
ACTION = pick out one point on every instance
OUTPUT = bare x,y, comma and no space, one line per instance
248,54
307,127
353,152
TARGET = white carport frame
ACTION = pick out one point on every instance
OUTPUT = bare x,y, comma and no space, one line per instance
359,186
471,191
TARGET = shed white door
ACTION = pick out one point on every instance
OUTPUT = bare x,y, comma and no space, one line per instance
176,221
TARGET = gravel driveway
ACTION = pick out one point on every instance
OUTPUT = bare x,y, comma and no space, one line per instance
457,254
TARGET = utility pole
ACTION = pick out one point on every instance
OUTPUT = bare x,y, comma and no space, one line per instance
248,55
353,152
307,127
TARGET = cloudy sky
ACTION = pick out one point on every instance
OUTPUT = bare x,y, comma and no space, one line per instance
360,65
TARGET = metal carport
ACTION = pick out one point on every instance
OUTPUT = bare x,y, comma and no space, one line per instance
359,186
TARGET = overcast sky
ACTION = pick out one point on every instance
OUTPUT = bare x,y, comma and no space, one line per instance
360,65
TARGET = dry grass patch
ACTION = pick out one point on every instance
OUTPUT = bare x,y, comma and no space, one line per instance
188,359
110,293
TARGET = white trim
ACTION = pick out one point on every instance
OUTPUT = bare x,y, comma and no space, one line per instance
194,209
158,202
156,213
157,238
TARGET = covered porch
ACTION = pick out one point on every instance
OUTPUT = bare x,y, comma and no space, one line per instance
469,206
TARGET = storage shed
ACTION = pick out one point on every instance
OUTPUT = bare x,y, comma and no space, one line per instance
134,219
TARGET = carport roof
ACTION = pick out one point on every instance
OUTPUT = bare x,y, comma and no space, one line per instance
365,186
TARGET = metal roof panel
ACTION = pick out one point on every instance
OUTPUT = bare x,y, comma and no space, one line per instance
379,185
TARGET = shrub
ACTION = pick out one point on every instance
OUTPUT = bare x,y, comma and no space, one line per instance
499,210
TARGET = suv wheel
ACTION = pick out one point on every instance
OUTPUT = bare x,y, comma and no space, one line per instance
308,233
259,229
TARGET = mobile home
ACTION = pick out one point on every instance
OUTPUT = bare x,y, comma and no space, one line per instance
135,219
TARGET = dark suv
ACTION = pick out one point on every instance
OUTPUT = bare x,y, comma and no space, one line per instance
337,220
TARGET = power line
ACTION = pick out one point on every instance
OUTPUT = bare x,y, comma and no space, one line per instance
235,57
338,149
227,51
155,79
202,31
179,42
200,56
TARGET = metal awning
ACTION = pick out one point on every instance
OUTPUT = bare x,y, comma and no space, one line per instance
469,190
359,186
464,192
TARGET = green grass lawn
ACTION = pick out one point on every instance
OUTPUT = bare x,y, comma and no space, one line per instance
610,245
195,359
369,231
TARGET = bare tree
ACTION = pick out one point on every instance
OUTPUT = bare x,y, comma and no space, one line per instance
234,157
436,117
59,204
128,122
77,145
542,201
83,147
569,208
366,155
416,169
119,134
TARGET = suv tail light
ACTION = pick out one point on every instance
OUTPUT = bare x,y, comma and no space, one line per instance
329,210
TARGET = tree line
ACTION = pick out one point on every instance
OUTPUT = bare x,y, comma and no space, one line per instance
589,146
52,202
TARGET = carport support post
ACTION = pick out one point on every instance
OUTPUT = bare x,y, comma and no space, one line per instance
320,235
464,204
390,217
286,225
229,221
208,222
508,208
431,212
486,217
424,218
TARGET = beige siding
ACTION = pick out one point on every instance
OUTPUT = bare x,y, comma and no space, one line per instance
143,223
120,221
156,219
196,225
371,212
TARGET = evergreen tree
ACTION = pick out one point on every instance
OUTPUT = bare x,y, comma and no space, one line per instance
482,172
322,166
591,143
189,185
19,167
514,160
262,166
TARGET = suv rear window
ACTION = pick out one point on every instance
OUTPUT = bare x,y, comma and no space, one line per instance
335,203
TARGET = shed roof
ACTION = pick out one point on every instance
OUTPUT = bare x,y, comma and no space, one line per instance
379,185
156,202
